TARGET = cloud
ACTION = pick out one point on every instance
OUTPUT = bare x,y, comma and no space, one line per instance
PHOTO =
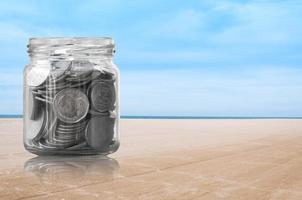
218,33
259,92
262,23
227,22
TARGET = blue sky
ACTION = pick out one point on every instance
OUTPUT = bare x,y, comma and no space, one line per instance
205,58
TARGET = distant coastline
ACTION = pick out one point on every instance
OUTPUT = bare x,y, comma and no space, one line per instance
178,117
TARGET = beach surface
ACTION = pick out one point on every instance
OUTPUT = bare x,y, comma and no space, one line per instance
164,159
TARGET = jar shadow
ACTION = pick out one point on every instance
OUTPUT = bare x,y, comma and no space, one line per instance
58,169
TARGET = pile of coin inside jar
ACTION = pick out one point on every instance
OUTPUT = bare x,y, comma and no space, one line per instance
71,106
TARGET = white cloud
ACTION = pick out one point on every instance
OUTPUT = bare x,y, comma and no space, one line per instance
230,23
257,92
262,23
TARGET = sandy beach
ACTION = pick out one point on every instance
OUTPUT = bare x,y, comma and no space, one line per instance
164,159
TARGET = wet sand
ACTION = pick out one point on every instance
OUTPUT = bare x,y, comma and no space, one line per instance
164,159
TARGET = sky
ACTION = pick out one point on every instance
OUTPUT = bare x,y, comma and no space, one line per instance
183,58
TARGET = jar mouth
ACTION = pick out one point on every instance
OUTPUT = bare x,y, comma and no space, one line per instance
71,40
57,47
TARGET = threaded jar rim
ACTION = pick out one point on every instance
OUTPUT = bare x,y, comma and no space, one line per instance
71,40
59,47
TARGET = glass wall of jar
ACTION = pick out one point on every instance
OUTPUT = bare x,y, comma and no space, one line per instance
71,97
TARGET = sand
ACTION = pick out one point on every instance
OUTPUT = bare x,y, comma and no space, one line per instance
164,159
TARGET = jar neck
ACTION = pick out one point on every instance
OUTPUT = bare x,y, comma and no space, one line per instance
71,48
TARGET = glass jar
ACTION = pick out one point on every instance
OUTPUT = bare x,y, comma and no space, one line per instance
71,97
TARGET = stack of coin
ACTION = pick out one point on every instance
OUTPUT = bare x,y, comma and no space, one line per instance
70,106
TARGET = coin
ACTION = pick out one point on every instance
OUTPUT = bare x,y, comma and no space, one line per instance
71,126
79,146
43,100
54,144
56,86
33,106
99,132
70,132
71,105
58,68
51,123
64,140
106,76
80,68
69,137
37,76
34,128
95,113
102,96
78,84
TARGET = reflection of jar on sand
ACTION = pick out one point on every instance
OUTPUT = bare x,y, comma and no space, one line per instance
71,103
54,169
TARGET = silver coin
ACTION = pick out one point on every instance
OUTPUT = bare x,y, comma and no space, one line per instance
96,113
106,76
61,140
40,99
79,146
69,128
71,131
64,137
71,141
40,87
34,91
52,132
80,68
72,126
33,106
34,128
70,134
79,76
52,121
37,76
56,86
40,92
44,145
83,79
71,105
102,96
99,132
44,100
47,97
54,145
59,68
78,84
94,75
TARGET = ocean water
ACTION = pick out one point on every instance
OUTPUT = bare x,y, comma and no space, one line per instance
179,117
11,116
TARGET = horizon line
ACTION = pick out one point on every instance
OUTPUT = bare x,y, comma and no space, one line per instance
178,117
